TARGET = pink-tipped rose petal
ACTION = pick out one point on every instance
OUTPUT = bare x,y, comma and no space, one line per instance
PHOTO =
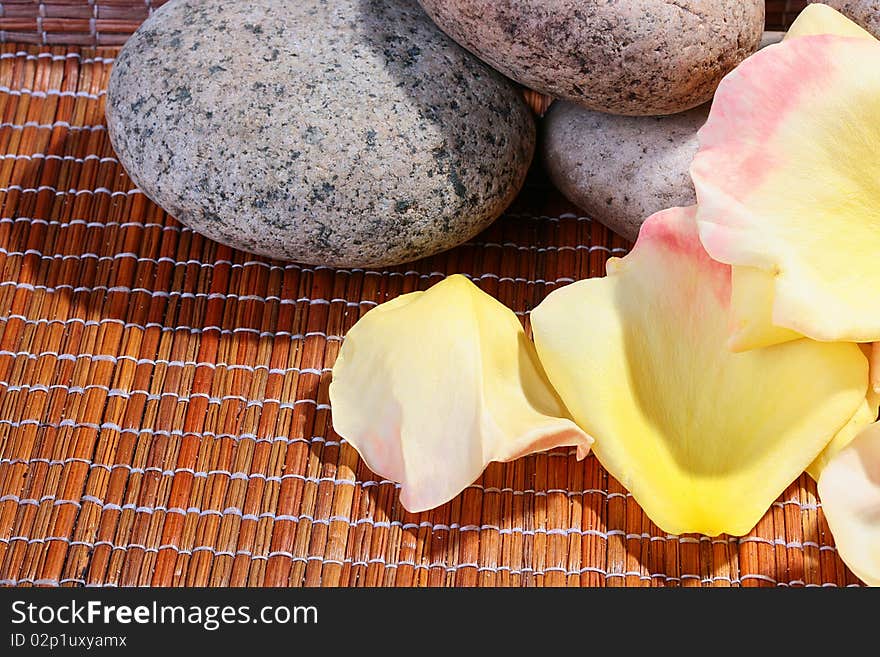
704,438
788,182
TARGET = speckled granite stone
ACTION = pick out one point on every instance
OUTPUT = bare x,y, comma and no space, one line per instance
639,57
864,12
622,169
344,133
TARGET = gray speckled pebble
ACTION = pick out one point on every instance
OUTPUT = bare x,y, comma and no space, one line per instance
622,169
344,133
637,57
864,12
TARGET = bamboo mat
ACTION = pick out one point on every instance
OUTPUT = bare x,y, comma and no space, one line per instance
164,417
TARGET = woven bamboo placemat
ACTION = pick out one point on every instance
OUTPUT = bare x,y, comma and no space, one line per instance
163,399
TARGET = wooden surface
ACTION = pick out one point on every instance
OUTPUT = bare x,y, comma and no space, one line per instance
163,399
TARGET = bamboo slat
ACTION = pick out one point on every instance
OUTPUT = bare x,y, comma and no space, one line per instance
164,417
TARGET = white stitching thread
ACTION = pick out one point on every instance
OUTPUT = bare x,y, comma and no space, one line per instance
41,582
290,266
377,524
548,249
565,216
292,518
164,329
779,542
21,54
184,229
418,566
163,294
24,91
94,224
180,399
110,426
61,158
801,505
51,126
61,192
169,363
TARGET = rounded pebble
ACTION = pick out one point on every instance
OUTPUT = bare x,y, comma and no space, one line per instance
348,133
640,57
621,169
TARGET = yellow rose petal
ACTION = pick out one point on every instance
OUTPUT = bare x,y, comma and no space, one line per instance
704,438
874,358
753,289
432,386
865,415
788,181
849,489
751,308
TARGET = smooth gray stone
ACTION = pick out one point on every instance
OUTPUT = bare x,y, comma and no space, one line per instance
621,169
770,38
634,57
348,133
864,12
